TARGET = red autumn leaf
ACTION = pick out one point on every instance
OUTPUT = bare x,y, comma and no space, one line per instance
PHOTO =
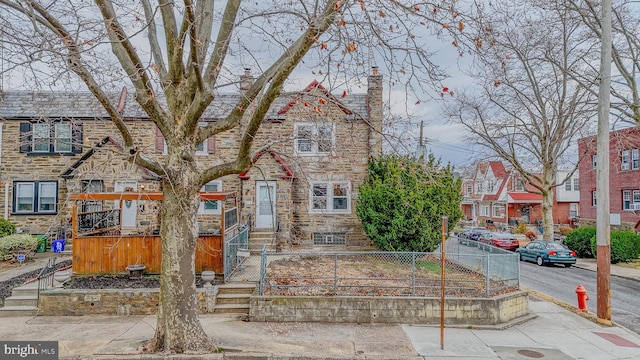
323,46
451,92
460,25
445,89
418,102
351,47
435,10
496,83
322,101
344,93
382,14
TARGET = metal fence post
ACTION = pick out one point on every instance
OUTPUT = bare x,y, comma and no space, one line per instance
335,274
413,274
487,278
263,268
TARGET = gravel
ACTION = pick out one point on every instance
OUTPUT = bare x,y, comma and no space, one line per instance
7,285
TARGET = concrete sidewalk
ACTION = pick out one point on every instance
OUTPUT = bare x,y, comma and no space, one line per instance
554,333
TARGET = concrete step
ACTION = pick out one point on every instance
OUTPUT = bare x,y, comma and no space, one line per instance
24,291
237,288
21,301
17,311
231,309
228,299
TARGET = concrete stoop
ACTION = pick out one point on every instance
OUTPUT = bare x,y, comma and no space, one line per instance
22,302
234,298
257,238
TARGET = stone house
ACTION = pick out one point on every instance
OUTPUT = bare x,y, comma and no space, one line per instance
301,188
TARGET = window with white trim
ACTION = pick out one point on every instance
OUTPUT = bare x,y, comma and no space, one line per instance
635,157
594,201
567,185
624,163
210,206
469,190
330,197
35,197
629,198
594,161
519,184
59,137
479,187
313,139
576,184
63,140
491,185
573,210
329,238
201,150
498,210
484,210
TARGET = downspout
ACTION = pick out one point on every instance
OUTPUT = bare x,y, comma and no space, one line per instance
6,184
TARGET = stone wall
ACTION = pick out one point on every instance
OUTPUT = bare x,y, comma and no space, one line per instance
405,310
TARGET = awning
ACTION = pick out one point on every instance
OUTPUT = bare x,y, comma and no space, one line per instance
524,198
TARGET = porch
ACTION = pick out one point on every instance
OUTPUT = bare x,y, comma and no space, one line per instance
100,246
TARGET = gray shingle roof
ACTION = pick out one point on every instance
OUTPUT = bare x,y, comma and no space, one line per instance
23,104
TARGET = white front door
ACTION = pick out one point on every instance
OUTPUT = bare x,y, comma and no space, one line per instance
265,204
129,207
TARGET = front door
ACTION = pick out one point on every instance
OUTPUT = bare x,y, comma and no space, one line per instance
129,208
265,204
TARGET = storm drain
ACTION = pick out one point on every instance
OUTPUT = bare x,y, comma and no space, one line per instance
513,352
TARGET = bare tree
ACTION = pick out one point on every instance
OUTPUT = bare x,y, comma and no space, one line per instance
625,54
523,107
176,56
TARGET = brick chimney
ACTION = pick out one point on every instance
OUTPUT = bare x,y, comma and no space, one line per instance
246,80
374,107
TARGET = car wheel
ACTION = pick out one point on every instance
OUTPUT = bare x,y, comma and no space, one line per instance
520,256
567,265
539,261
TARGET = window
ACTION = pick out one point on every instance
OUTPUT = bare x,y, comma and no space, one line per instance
573,210
331,197
35,197
92,186
201,150
50,138
634,159
484,210
490,185
626,199
576,184
519,185
329,239
313,139
208,146
624,164
593,198
567,185
479,187
498,210
213,206
469,189
594,161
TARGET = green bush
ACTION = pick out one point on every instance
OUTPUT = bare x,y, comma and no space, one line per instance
579,240
624,246
6,227
12,245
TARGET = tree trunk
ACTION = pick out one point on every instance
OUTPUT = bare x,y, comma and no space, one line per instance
547,205
178,328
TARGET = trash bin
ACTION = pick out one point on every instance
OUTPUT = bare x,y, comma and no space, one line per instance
43,243
57,245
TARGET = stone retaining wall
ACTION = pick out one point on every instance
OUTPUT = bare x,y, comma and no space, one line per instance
405,310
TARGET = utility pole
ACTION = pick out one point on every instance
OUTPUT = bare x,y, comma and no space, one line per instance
603,229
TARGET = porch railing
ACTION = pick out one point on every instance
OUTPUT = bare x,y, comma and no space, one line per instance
98,220
45,276
234,250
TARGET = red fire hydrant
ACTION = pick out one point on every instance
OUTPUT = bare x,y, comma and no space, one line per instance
582,297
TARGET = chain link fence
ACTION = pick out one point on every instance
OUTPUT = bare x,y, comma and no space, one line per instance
482,274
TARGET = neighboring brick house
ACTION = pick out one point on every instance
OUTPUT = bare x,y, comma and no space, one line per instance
624,176
302,189
497,195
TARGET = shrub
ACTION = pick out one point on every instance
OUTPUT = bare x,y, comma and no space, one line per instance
564,230
521,228
579,240
12,245
624,246
6,227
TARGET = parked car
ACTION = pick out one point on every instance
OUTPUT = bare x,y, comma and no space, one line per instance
471,233
547,252
501,240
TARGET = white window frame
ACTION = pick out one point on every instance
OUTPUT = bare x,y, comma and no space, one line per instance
594,161
576,184
484,210
635,159
38,138
202,210
201,150
59,141
594,200
329,197
36,197
314,139
469,189
490,185
624,162
636,196
479,189
497,208
567,185
519,184
573,210
626,199
329,239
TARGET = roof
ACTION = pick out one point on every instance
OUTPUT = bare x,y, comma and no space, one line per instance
498,169
311,87
525,198
26,104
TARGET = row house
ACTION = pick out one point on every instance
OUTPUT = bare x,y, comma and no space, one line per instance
496,195
301,189
624,176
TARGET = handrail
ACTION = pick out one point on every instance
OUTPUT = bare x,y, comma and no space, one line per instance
45,277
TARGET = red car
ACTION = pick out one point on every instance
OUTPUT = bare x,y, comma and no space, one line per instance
501,240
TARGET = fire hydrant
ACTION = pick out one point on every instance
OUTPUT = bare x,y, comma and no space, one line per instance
582,297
